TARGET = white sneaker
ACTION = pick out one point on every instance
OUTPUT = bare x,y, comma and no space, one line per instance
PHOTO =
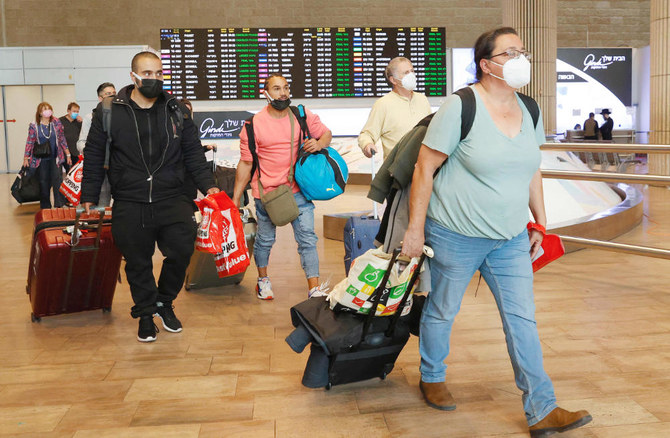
319,291
264,289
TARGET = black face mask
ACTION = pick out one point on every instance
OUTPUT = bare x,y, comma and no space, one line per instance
151,88
280,105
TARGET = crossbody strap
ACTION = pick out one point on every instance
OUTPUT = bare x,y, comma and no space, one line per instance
290,169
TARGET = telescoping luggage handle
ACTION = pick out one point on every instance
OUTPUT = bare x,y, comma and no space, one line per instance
427,251
375,213
74,242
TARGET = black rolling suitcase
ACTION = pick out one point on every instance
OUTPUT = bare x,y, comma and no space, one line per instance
349,347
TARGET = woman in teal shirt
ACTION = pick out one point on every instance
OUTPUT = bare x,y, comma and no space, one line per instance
474,215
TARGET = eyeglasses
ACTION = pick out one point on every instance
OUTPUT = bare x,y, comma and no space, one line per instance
514,54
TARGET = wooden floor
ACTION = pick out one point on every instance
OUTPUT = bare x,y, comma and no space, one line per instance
604,321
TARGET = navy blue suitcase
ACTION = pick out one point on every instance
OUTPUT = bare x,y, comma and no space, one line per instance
360,232
359,236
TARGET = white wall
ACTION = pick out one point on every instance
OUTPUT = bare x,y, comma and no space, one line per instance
84,67
641,94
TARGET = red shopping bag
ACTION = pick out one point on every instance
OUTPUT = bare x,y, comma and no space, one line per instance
221,232
552,248
210,233
71,185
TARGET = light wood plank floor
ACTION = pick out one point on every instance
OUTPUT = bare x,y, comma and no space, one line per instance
604,320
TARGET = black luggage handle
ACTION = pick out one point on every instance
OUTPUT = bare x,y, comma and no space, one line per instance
378,294
405,297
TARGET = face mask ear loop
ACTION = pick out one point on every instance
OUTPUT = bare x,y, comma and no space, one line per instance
499,65
138,77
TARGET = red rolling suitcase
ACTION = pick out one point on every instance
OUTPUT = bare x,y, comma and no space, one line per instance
68,274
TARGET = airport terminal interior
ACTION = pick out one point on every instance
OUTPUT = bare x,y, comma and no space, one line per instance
603,314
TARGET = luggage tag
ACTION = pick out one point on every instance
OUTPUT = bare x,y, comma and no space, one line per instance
70,229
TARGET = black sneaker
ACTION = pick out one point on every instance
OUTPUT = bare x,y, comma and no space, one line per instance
166,313
147,331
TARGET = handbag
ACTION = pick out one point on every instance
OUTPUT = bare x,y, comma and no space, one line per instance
26,187
280,203
42,150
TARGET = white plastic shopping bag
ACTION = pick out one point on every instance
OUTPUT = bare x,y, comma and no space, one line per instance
356,292
71,185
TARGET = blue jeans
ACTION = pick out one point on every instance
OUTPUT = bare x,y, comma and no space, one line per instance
303,231
507,269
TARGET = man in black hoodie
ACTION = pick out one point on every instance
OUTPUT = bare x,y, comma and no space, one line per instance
154,143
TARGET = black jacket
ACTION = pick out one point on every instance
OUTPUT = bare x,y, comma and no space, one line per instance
606,129
142,171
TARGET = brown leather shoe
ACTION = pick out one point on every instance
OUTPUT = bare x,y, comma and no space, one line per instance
437,396
559,420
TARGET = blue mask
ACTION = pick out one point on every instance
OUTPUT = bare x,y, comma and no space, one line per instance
74,115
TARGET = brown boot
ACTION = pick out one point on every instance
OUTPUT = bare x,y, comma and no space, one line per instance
437,396
559,420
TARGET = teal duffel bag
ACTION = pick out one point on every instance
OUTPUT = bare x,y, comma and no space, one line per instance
321,175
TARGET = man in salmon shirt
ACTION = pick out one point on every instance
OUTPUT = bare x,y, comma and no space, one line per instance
272,133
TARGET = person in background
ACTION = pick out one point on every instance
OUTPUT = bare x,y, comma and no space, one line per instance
190,188
474,214
47,128
395,113
591,128
105,89
606,128
71,127
187,103
275,145
154,143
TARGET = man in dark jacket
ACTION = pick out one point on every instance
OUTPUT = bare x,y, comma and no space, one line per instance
154,142
606,128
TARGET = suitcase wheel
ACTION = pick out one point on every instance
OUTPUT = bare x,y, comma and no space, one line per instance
106,310
34,318
383,376
328,386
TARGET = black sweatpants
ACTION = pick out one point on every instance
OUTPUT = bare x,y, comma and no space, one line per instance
50,177
137,228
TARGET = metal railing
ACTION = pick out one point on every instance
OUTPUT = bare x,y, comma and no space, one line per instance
629,148
659,180
646,251
607,177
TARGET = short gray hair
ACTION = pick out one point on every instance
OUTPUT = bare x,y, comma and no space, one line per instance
393,66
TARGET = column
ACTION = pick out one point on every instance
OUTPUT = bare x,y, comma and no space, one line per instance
659,85
535,21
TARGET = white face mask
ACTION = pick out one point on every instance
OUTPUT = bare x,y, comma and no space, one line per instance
516,72
408,81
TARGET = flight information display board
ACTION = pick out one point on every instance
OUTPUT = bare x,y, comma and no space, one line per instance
232,63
